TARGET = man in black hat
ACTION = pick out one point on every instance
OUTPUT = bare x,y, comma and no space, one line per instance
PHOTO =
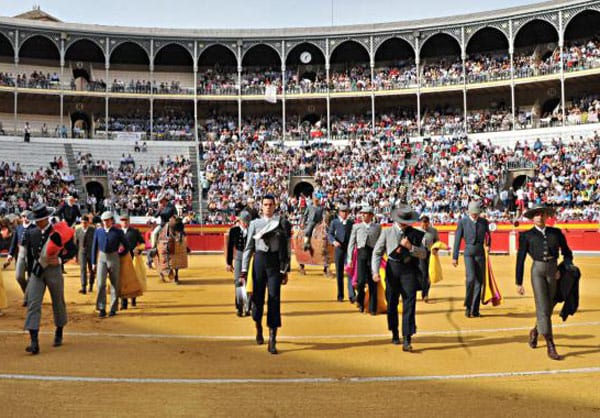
338,235
43,245
22,270
542,243
404,246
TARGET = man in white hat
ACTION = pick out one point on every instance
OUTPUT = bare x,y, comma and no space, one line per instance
108,243
476,233
364,236
404,246
17,249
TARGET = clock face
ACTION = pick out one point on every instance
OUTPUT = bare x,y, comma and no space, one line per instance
305,57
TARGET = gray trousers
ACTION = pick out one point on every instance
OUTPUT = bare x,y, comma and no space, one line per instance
53,279
20,272
85,266
108,265
544,284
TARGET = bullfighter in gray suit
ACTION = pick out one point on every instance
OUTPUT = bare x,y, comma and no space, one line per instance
363,237
46,272
476,233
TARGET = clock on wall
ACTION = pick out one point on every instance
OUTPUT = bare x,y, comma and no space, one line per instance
305,57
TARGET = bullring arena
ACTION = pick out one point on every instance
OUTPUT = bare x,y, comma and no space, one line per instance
501,107
183,351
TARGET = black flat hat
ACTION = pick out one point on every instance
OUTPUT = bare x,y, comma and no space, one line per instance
404,215
40,212
535,209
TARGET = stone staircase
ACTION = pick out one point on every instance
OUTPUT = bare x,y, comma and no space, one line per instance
76,172
196,173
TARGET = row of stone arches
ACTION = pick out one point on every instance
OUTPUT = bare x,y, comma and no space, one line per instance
489,38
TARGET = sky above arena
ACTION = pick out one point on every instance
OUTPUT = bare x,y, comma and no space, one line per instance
229,14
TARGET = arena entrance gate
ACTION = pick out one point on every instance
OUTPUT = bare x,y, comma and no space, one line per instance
80,123
304,185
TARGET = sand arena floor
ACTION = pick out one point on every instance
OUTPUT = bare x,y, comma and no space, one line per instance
183,352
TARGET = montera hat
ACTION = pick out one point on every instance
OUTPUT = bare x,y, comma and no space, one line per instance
535,209
404,215
40,212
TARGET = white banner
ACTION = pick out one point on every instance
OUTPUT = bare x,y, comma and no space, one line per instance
271,93
128,136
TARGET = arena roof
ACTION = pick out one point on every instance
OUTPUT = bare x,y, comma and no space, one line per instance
299,31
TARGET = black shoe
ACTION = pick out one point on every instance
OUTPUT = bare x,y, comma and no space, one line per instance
395,337
352,300
91,288
133,302
82,291
58,337
468,314
33,348
361,308
24,304
259,335
476,315
112,313
239,313
340,299
102,313
406,346
272,341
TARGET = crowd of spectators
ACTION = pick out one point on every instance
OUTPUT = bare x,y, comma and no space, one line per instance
438,176
145,87
166,125
135,188
582,54
37,79
20,190
479,67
